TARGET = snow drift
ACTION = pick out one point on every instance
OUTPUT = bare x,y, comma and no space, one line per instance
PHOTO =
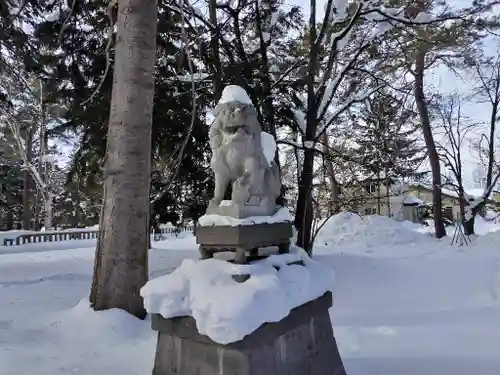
351,230
227,311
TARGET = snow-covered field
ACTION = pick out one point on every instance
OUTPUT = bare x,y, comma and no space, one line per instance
405,304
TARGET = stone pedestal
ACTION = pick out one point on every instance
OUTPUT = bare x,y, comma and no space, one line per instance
300,344
241,211
243,238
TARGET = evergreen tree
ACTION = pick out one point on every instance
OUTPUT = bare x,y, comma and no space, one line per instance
386,136
11,184
81,78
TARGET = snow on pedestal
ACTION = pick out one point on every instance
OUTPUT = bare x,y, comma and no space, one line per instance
225,310
281,216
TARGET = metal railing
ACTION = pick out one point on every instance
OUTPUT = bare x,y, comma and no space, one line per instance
68,235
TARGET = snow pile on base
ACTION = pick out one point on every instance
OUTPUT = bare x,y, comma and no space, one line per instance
350,230
281,216
118,324
80,340
227,311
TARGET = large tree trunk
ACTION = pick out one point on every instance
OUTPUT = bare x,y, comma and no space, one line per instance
430,144
121,264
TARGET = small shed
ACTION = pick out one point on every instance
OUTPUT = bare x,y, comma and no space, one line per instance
413,209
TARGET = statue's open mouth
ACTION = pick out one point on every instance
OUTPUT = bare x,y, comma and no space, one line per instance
232,129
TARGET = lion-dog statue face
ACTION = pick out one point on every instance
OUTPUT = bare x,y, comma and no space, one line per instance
237,122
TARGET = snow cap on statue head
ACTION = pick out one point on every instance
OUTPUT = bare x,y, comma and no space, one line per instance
233,93
236,95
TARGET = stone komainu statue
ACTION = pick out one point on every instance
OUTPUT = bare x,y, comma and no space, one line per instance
238,157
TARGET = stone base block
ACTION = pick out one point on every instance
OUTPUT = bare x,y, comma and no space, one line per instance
300,344
243,238
242,211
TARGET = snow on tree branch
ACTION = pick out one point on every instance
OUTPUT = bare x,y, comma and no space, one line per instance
338,111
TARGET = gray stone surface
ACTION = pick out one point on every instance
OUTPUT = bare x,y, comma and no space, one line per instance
243,238
301,344
241,211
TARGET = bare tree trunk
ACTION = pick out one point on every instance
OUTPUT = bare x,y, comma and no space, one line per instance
40,204
389,214
334,187
491,145
268,110
469,224
379,198
388,193
212,9
45,195
47,220
98,255
430,144
304,211
9,219
121,264
461,204
27,181
269,124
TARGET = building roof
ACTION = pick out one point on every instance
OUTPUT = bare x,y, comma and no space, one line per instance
411,200
474,193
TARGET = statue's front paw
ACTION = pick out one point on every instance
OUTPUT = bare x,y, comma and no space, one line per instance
214,203
254,201
242,181
238,183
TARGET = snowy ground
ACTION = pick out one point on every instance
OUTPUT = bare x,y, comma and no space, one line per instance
405,304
